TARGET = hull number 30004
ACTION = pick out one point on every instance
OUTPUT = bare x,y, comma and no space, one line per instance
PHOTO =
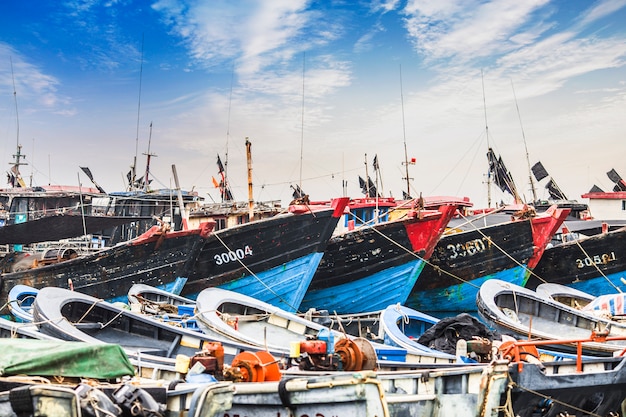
233,255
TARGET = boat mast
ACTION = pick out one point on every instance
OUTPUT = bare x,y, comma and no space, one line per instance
133,170
230,100
406,155
302,120
530,176
16,177
148,157
487,135
250,196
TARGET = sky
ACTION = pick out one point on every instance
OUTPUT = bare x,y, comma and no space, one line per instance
319,88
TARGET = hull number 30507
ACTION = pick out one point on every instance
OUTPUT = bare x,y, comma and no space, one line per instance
233,255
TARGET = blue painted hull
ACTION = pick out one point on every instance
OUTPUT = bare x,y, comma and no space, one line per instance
461,297
584,264
283,286
600,285
371,293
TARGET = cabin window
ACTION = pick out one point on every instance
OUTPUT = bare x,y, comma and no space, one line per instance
623,205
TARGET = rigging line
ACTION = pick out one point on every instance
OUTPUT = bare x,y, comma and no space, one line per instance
138,112
487,137
530,177
411,252
528,270
551,398
597,267
254,275
406,156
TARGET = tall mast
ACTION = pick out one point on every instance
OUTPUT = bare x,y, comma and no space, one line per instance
250,194
230,99
530,176
17,180
134,167
487,135
302,121
406,155
148,157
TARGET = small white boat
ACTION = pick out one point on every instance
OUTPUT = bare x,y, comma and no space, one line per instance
20,303
71,315
564,294
402,326
524,314
226,313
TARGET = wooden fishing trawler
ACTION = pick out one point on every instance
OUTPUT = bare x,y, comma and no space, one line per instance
381,257
471,254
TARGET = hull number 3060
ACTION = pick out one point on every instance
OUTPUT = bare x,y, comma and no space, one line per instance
233,255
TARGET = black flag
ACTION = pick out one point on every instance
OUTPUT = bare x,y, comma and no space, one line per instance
614,176
502,177
297,192
555,191
87,171
596,189
539,171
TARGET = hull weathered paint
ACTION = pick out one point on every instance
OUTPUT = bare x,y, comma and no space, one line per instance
155,258
462,261
595,265
372,267
273,261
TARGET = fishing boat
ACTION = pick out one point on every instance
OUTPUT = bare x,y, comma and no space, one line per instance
71,315
143,293
523,313
588,386
464,259
272,259
376,265
21,299
157,257
592,264
229,314
327,395
563,294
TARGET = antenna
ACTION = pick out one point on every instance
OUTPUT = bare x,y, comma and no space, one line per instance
406,156
487,135
530,177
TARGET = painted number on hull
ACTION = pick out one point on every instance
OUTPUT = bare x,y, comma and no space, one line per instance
603,259
233,255
469,248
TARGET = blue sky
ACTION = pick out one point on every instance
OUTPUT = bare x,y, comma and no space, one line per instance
316,86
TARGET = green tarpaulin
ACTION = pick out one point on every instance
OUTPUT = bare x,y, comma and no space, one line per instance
60,358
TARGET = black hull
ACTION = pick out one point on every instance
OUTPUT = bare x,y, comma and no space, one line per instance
266,244
355,255
469,255
568,264
109,274
534,393
57,227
